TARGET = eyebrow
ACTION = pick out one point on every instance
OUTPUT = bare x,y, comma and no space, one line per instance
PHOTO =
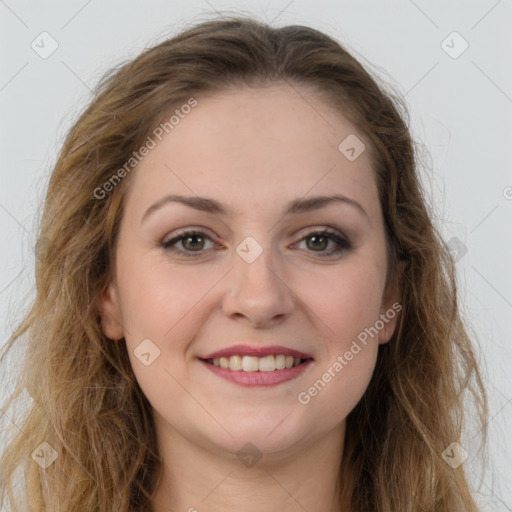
214,207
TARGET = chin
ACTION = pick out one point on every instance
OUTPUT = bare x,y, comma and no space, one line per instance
264,437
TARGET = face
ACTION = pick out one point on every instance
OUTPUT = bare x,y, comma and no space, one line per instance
306,282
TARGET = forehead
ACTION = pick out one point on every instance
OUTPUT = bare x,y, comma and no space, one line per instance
248,146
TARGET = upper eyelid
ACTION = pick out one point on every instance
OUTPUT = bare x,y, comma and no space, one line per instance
206,232
183,233
330,231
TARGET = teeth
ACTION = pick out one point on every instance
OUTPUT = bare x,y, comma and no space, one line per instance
280,362
249,364
235,363
254,364
266,364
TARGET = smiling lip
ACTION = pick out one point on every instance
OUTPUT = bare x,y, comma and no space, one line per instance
257,378
252,379
246,350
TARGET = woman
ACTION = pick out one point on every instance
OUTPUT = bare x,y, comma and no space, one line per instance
242,302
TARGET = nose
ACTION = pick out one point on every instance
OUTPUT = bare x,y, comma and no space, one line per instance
258,291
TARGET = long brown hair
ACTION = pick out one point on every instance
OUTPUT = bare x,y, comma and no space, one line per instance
84,399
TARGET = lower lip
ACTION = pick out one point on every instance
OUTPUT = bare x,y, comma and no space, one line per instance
251,379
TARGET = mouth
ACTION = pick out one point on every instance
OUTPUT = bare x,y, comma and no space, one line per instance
257,367
245,363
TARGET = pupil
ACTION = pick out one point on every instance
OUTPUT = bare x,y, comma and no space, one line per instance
316,239
192,238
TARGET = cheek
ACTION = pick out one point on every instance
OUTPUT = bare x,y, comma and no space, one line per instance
167,306
347,300
348,305
160,299
337,387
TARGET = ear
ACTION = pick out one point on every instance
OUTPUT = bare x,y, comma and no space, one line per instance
390,309
389,316
110,313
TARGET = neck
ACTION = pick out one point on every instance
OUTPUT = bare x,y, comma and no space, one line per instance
194,478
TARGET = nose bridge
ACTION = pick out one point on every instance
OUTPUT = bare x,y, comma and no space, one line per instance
254,263
257,290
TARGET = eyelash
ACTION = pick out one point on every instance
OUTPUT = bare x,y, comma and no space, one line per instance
343,243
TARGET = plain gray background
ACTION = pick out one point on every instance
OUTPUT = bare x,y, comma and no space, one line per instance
461,110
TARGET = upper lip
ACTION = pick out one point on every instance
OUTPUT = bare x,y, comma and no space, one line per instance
247,350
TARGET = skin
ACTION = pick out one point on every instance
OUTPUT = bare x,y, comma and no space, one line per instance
254,150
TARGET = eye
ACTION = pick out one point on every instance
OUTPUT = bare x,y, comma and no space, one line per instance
193,242
318,241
